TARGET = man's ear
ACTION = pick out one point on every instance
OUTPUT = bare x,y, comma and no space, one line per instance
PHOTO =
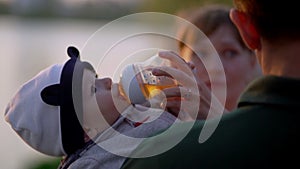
246,28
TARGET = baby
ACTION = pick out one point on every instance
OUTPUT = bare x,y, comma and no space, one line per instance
65,111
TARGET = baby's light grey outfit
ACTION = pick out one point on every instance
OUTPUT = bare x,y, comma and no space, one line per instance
98,153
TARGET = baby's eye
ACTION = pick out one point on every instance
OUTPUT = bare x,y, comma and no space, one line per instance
93,89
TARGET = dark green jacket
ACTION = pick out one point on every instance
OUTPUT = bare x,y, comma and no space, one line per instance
263,132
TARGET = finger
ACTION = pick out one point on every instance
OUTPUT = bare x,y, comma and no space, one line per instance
191,65
178,109
179,92
172,56
159,72
172,92
180,76
191,107
176,61
173,107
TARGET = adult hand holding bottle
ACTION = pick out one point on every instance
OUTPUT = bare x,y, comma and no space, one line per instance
191,94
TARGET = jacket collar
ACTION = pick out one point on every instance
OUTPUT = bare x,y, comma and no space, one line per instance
272,90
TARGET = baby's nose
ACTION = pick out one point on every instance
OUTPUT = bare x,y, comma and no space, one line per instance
106,82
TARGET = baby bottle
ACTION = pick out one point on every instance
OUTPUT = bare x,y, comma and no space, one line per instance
138,84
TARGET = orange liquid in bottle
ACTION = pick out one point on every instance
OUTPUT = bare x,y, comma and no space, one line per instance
149,84
154,89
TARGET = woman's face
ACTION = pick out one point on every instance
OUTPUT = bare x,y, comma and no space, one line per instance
239,64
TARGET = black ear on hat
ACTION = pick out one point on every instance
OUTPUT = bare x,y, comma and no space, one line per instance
73,52
50,95
71,130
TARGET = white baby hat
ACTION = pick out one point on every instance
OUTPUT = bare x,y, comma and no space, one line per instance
42,111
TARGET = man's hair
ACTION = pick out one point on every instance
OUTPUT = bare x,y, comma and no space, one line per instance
274,19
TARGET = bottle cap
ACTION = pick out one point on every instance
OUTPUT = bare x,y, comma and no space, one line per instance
131,86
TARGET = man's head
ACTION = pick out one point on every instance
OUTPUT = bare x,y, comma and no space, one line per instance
272,29
272,19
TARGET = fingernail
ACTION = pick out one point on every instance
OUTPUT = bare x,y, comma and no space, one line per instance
155,71
162,53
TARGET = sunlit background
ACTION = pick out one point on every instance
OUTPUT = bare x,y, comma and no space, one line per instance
35,34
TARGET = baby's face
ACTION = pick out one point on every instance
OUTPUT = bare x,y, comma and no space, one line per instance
104,98
99,110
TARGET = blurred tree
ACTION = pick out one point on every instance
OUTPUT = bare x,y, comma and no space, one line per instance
45,164
172,6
